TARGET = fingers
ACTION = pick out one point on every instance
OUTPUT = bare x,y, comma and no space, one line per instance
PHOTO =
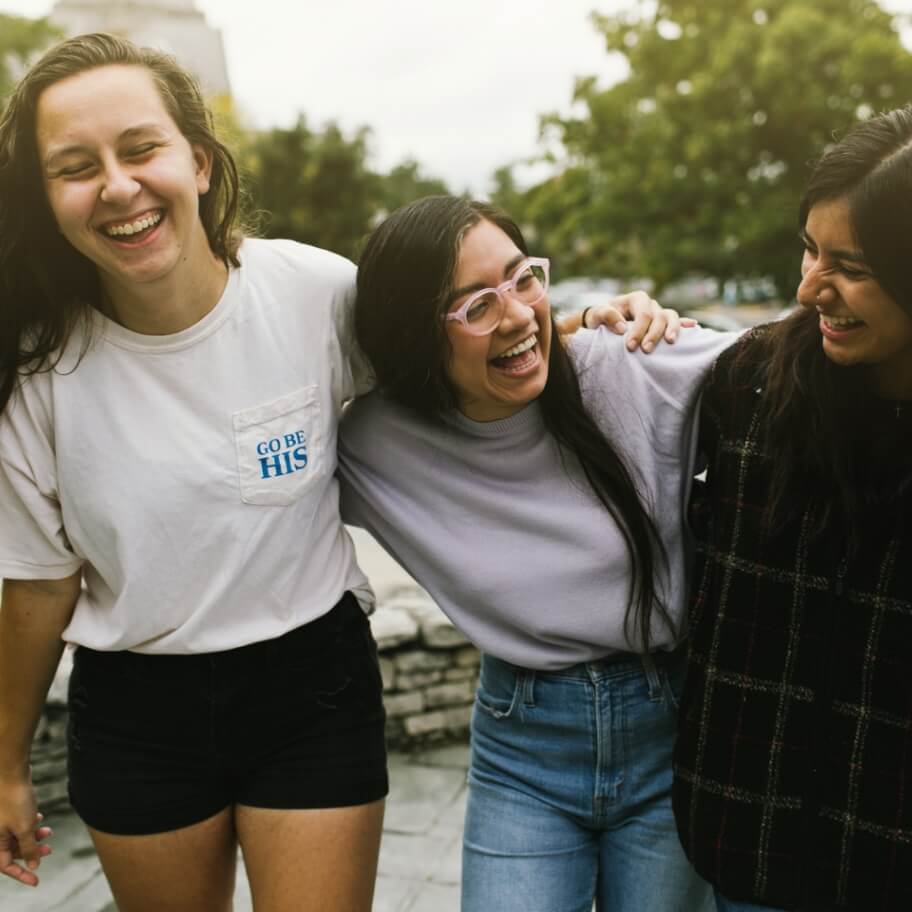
606,315
673,327
11,869
29,850
648,325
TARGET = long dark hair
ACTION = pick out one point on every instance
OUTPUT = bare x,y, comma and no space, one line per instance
819,414
405,276
46,286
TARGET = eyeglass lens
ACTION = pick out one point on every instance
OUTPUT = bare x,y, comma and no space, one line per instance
528,285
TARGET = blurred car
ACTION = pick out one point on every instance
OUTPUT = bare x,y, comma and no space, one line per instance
573,295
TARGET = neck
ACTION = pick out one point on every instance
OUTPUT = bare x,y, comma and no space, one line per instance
172,303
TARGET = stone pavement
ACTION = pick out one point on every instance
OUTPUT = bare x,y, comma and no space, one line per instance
419,855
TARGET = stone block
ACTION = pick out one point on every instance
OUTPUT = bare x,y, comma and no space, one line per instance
418,679
387,673
467,657
426,724
437,630
421,660
392,627
461,674
404,704
458,718
453,694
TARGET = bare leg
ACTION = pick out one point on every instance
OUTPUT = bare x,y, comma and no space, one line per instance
322,860
186,870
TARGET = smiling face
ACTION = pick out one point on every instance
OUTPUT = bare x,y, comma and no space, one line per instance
495,375
122,181
860,323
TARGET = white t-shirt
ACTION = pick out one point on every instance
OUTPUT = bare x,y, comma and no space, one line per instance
191,475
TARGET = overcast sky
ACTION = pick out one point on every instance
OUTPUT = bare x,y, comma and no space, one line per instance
458,86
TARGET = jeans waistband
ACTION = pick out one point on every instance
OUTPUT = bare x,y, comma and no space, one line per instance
615,665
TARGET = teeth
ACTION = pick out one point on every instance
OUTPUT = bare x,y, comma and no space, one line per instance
519,349
841,322
134,227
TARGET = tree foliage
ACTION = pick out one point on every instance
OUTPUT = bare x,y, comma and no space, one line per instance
20,40
315,186
695,162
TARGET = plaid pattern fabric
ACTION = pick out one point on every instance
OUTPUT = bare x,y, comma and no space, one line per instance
793,768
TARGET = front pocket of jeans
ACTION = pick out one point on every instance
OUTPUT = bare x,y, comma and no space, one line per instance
497,693
279,448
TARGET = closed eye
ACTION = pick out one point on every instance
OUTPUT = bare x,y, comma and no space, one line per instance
77,170
855,274
138,151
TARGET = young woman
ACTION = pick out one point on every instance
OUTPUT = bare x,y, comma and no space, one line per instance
794,763
168,406
536,493
167,448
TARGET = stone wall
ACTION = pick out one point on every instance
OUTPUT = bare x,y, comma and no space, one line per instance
429,675
429,670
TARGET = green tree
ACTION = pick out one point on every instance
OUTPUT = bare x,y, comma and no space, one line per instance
20,40
316,186
406,182
313,186
695,162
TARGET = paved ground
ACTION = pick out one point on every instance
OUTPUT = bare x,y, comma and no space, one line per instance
419,856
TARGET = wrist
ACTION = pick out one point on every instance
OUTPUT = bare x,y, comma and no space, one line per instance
15,769
583,316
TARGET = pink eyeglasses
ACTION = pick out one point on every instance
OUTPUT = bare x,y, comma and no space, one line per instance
482,311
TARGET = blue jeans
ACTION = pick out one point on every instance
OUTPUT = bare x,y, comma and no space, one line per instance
569,791
733,905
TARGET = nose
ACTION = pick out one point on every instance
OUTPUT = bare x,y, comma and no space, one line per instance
119,186
516,314
813,288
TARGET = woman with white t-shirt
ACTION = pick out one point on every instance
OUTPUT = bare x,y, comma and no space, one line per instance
167,448
169,396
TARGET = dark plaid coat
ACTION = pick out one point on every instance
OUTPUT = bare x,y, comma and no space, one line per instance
793,769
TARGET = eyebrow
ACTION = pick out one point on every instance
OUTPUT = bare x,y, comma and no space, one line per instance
77,149
478,286
855,256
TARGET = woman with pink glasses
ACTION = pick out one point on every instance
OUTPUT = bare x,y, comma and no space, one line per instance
535,490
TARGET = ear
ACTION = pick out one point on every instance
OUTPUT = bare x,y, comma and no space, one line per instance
202,160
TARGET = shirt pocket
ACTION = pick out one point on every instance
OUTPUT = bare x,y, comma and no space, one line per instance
279,448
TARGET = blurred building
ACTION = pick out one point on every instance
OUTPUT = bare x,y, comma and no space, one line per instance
175,26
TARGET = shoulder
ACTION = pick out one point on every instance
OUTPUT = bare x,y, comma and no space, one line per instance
363,415
592,346
283,258
740,366
673,372
374,414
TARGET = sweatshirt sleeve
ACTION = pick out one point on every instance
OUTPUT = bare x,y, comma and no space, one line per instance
672,373
33,540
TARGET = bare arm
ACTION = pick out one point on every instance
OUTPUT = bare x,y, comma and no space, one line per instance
33,615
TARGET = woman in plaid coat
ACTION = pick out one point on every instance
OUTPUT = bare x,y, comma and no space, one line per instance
793,785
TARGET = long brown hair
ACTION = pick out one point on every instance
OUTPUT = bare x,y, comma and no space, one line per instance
819,415
405,276
46,286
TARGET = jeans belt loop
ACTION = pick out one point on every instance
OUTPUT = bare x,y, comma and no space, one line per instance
652,676
528,687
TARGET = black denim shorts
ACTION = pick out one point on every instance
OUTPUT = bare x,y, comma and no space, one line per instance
160,742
